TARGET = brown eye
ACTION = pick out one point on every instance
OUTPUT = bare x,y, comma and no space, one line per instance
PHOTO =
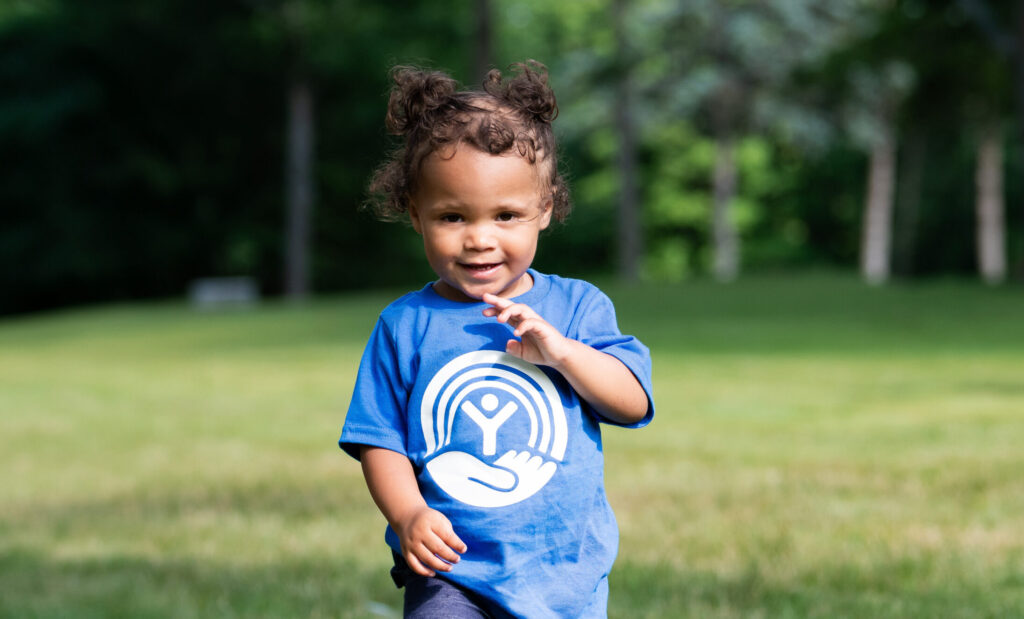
508,217
451,218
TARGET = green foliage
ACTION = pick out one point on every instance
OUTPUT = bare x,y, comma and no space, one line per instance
678,203
820,449
141,145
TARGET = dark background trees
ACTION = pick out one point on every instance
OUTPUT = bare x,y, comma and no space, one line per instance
144,145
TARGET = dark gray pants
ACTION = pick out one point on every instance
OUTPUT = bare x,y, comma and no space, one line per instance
435,598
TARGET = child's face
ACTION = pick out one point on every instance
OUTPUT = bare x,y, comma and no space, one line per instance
479,216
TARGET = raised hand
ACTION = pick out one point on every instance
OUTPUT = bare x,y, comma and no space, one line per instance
539,342
599,378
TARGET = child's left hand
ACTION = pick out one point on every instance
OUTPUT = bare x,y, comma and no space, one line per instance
539,342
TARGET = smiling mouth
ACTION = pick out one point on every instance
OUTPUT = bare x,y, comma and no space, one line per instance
480,268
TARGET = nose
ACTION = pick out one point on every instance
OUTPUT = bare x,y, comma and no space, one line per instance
479,237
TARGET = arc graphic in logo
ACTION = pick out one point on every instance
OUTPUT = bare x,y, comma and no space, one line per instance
503,397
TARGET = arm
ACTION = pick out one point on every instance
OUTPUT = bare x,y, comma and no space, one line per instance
600,379
426,534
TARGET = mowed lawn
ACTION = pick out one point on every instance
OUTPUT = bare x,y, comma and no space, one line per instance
821,449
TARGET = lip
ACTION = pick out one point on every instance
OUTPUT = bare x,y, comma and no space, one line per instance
481,270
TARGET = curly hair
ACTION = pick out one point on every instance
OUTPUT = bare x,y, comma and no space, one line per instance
428,110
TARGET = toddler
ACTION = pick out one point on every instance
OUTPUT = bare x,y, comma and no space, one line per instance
477,408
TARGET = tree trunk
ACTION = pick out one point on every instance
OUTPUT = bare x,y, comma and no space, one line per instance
908,203
630,240
726,240
877,228
1019,65
989,208
299,193
482,57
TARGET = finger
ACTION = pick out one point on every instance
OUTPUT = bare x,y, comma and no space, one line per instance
443,551
432,561
413,561
515,314
497,301
454,541
514,348
529,325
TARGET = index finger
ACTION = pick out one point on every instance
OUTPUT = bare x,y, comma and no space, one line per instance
495,300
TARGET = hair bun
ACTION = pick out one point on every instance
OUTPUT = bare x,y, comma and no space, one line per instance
415,94
527,91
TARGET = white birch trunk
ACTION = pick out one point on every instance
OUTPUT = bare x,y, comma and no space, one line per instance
876,239
726,240
990,208
298,189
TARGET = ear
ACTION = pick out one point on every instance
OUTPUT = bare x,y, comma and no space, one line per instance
547,209
414,217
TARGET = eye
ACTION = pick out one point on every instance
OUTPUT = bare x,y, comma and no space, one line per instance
450,218
508,216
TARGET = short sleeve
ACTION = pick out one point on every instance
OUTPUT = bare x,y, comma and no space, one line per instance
376,415
598,328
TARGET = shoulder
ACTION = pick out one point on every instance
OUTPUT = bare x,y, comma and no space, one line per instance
568,288
399,310
574,301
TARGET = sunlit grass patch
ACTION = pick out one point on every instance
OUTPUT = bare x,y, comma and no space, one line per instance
821,449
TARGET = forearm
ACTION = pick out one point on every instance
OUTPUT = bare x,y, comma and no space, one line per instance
604,382
392,483
428,541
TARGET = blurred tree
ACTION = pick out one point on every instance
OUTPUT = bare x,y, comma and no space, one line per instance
302,22
579,41
483,54
118,128
141,145
989,205
1009,43
961,90
872,119
732,66
629,237
185,101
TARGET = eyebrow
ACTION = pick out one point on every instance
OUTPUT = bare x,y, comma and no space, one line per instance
501,206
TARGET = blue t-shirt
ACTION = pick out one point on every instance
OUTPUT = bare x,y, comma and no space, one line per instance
504,448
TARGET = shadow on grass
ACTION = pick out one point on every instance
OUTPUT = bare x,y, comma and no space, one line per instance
115,583
37,586
312,581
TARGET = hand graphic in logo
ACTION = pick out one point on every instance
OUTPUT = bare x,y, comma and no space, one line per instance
514,477
492,403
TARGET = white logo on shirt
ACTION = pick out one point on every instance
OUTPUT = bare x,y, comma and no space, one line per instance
489,389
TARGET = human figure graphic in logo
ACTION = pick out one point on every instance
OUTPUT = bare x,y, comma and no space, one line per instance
510,403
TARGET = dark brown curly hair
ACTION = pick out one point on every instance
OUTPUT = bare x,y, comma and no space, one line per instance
429,112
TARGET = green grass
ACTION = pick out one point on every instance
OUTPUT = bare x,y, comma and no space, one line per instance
821,449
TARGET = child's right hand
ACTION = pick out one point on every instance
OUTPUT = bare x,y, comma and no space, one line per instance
428,541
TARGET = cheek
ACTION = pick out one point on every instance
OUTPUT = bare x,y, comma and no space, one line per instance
528,240
439,243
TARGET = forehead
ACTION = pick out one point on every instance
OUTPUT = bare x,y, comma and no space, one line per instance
466,172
